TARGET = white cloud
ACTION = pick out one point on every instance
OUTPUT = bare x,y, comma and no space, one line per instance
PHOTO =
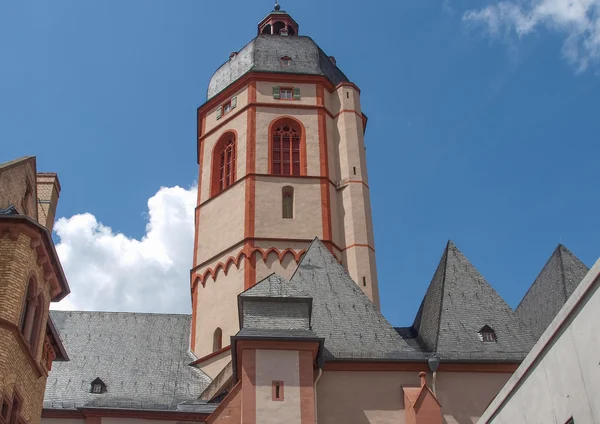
112,272
577,20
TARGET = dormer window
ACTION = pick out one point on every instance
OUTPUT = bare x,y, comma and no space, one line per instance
286,60
227,107
98,387
487,334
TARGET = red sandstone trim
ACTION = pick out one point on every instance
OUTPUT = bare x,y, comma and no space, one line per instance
250,212
270,77
248,370
211,355
348,111
307,394
245,177
123,413
224,403
303,160
324,165
274,391
248,254
357,245
500,367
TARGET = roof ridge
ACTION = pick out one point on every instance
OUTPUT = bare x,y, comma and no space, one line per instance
58,311
538,275
561,268
444,272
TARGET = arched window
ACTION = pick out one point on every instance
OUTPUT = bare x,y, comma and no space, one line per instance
487,334
31,316
287,202
286,148
223,163
217,340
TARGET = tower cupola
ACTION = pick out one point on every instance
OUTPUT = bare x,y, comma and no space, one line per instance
278,22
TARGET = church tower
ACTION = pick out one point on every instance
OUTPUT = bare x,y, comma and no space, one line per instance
281,159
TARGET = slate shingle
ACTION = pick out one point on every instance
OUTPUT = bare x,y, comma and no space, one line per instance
555,283
264,53
458,304
142,358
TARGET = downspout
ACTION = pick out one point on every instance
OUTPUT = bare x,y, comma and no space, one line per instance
315,388
434,363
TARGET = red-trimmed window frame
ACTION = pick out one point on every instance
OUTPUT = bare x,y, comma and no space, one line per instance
224,163
287,196
286,149
277,391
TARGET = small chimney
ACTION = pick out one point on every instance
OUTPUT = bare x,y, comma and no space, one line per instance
422,376
48,190
232,55
333,60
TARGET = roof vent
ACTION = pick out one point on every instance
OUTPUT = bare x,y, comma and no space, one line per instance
232,55
333,60
98,386
487,334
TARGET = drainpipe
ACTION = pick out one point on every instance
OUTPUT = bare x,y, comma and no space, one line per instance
315,388
434,363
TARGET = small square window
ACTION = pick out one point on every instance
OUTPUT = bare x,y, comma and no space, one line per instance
286,93
97,388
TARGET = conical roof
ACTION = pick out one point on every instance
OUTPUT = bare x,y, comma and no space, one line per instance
553,286
458,304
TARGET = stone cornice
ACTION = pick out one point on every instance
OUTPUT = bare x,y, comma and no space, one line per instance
42,243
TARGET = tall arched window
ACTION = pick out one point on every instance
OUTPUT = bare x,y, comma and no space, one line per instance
287,202
217,340
31,316
223,163
286,148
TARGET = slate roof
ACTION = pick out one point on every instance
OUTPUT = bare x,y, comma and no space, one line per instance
264,53
274,286
343,315
457,305
553,286
142,358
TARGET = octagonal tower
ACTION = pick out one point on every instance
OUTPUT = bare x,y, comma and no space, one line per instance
281,159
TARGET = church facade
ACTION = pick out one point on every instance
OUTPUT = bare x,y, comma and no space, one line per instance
285,324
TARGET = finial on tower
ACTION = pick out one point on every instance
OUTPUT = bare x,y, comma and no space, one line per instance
277,6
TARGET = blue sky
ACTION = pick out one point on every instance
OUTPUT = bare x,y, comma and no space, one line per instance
483,122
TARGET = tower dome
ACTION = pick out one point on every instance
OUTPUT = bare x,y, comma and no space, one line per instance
276,54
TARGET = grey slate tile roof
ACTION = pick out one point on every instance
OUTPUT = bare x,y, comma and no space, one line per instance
343,315
142,358
458,303
274,304
553,286
264,53
274,286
